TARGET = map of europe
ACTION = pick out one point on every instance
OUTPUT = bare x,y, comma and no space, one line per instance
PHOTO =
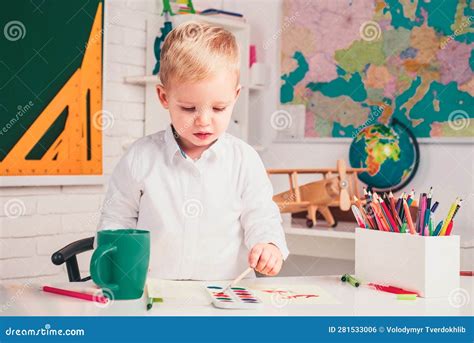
361,62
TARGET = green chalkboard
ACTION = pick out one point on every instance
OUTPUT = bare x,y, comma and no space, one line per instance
42,45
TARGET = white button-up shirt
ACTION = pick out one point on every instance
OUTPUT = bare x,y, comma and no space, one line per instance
204,216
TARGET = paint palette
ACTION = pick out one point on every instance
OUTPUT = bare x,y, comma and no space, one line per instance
233,298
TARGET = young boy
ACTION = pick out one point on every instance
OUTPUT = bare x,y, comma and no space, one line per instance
203,194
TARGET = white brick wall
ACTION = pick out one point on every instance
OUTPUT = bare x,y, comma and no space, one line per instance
36,221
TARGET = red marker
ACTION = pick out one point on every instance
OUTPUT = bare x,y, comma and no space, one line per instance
391,289
449,228
73,294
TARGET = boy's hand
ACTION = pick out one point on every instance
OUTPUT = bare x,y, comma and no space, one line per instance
266,259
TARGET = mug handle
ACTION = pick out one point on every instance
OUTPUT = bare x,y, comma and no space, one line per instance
96,275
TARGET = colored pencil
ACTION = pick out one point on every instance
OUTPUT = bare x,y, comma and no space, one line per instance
366,195
411,197
438,228
457,209
428,208
362,212
394,210
73,294
434,207
418,217
358,216
401,212
411,227
371,216
449,216
379,213
450,227
389,216
384,212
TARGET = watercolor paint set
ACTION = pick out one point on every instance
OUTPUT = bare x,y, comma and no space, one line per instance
233,298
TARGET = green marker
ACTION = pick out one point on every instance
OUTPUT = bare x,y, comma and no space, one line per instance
406,296
353,281
403,229
150,302
344,277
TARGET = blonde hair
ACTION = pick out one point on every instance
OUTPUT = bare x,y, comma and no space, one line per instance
194,50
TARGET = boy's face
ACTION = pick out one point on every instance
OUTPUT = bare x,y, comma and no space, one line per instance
200,111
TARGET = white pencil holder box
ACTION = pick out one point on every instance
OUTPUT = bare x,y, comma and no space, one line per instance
428,265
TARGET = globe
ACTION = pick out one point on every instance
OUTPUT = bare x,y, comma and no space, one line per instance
390,152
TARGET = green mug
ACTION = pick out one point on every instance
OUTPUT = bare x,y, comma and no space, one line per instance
119,265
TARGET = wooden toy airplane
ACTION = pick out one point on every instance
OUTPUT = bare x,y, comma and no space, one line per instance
332,190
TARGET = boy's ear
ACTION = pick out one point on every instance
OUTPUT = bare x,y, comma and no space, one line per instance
237,92
160,90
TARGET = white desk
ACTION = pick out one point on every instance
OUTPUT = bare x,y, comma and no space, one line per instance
21,300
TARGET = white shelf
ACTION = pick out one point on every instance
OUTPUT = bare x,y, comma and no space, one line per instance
320,233
256,88
225,22
142,79
344,230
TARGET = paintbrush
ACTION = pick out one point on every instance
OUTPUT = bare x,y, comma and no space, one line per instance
238,278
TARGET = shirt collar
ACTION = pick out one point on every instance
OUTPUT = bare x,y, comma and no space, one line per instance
173,149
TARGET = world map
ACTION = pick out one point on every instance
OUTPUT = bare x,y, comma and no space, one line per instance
357,63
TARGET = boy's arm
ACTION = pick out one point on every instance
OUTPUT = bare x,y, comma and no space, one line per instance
260,217
121,203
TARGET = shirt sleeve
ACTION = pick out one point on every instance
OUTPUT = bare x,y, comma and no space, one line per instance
121,203
260,218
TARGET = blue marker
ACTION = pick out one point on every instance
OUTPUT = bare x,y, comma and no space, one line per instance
438,228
